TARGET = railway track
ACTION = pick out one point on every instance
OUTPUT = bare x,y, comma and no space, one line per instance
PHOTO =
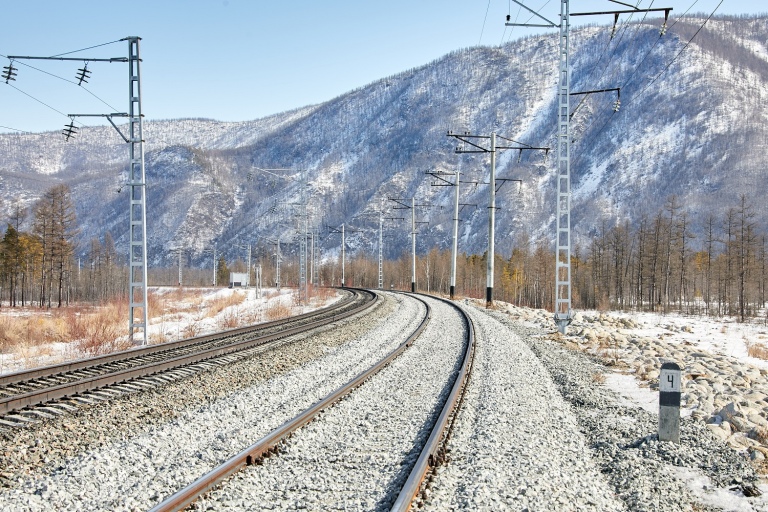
30,395
430,454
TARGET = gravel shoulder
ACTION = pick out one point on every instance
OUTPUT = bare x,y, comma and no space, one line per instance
700,473
516,444
132,451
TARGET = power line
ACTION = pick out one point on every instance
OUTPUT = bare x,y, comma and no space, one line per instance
622,32
538,12
89,48
39,101
16,130
650,50
65,80
642,91
484,20
678,53
637,68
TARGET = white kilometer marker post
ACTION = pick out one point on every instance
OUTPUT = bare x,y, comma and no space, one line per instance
669,403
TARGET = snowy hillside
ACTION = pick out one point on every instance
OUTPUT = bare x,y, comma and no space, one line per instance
692,123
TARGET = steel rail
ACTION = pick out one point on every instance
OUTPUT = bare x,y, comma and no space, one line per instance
16,402
262,448
431,455
124,355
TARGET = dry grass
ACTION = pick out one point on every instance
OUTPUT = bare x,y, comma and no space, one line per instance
158,337
192,329
757,350
230,320
276,311
598,378
217,305
29,334
103,337
31,328
88,330
174,302
324,294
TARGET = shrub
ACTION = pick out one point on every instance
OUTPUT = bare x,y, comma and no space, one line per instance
277,310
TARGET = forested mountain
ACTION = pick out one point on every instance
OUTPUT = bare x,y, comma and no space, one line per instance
692,123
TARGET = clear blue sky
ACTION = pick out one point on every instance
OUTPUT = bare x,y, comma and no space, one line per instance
236,60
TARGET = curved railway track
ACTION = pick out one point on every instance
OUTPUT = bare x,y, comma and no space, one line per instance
430,456
20,392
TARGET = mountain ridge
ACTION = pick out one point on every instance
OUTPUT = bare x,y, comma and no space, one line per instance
691,123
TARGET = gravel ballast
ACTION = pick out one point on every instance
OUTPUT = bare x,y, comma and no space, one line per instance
133,465
358,454
537,430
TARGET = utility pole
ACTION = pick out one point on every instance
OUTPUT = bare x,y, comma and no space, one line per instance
277,263
381,252
179,252
476,141
312,257
316,263
304,222
303,281
137,226
248,263
404,206
343,257
380,237
341,231
563,315
455,244
442,182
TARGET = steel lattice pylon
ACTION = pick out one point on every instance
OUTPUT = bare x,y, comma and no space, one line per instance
381,253
563,221
138,203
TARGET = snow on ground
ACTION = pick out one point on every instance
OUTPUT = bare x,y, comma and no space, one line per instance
609,337
717,335
179,313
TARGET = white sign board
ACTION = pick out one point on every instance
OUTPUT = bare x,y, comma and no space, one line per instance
669,381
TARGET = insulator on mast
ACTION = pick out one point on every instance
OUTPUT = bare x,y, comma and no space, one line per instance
69,130
9,73
82,74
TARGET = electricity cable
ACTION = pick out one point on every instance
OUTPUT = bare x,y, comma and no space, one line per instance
637,68
482,30
41,102
678,54
89,48
635,97
538,11
15,130
65,80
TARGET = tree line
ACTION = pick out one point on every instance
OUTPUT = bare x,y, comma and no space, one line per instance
38,267
656,263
